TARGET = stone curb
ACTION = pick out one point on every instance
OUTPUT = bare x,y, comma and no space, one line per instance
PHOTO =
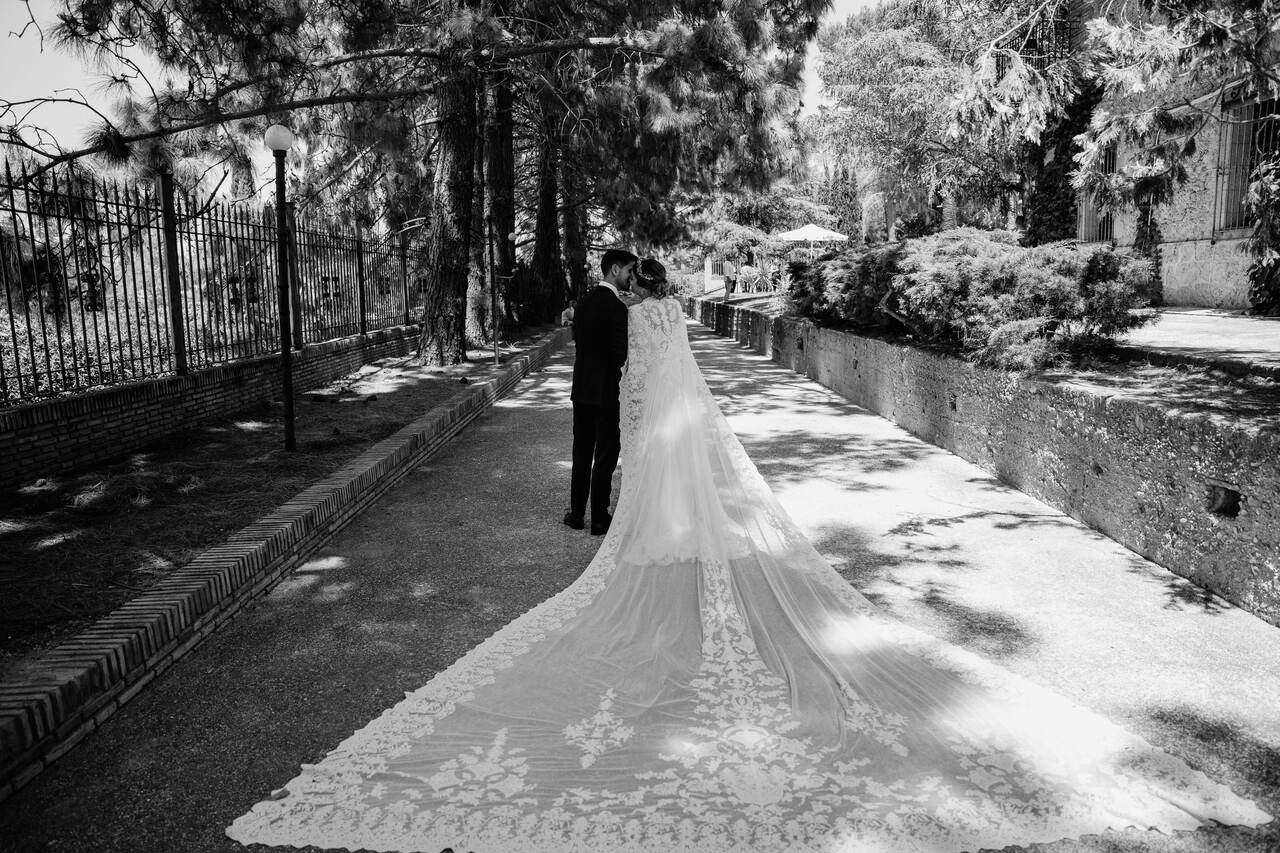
77,686
1237,367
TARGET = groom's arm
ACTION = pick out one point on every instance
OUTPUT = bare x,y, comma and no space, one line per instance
618,336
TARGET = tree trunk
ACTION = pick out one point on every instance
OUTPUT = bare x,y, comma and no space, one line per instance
547,272
501,197
449,233
572,219
479,330
950,212
548,276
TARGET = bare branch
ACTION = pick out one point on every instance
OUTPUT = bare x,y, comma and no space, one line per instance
31,22
261,110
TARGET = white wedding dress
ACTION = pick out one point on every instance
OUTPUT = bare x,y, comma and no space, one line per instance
711,684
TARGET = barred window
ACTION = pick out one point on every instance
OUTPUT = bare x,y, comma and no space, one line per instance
717,267
1041,44
1247,134
1093,225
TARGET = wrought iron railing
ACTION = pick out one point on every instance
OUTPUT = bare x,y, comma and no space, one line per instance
99,282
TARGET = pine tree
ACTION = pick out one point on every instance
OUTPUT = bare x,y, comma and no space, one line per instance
661,105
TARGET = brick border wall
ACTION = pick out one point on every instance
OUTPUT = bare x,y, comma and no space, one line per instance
60,435
1135,471
77,686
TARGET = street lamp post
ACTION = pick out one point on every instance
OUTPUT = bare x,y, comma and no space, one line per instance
278,138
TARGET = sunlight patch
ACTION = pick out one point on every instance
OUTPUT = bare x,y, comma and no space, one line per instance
854,634
289,587
322,564
422,589
335,591
44,484
9,525
56,539
252,426
90,496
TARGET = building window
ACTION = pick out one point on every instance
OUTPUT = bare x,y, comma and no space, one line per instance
1248,133
1093,225
1041,44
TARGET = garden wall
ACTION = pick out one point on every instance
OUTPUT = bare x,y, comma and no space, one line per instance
1196,494
49,438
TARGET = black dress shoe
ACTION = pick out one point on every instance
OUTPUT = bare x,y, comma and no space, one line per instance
574,521
600,528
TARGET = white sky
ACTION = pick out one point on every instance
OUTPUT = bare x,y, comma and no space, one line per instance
26,71
840,9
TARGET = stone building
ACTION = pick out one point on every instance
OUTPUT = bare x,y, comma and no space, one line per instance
1203,227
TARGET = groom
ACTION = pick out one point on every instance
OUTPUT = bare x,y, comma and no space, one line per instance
600,336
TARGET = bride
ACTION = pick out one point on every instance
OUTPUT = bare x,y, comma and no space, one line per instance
711,684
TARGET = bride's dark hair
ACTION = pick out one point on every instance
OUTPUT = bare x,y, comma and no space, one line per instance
653,275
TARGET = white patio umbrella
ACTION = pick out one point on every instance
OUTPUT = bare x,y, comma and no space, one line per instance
812,234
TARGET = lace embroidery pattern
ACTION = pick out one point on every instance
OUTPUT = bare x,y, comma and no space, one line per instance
483,774
650,331
600,732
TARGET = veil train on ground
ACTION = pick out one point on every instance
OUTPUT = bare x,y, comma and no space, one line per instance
711,684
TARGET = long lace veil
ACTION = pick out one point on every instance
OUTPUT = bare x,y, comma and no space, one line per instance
711,684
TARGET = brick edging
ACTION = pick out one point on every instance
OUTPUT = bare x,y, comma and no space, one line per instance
78,685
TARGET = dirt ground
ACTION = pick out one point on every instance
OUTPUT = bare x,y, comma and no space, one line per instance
78,546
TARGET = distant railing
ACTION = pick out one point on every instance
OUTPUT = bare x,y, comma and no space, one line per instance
89,299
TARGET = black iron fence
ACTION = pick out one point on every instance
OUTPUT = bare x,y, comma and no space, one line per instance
100,279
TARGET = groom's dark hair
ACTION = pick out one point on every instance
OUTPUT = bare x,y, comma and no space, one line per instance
616,257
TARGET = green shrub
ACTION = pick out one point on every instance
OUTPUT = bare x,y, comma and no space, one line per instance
806,291
1008,305
856,286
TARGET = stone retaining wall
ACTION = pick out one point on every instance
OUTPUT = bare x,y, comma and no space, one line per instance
1194,493
49,438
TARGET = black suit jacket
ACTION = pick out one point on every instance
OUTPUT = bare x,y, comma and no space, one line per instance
600,332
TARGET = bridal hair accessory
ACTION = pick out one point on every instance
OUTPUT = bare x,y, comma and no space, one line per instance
652,274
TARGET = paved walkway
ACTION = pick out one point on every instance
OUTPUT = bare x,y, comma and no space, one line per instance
472,538
1210,335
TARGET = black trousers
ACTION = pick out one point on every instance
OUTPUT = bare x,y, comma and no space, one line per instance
596,443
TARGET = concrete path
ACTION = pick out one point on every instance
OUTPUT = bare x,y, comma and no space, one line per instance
472,538
1207,334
